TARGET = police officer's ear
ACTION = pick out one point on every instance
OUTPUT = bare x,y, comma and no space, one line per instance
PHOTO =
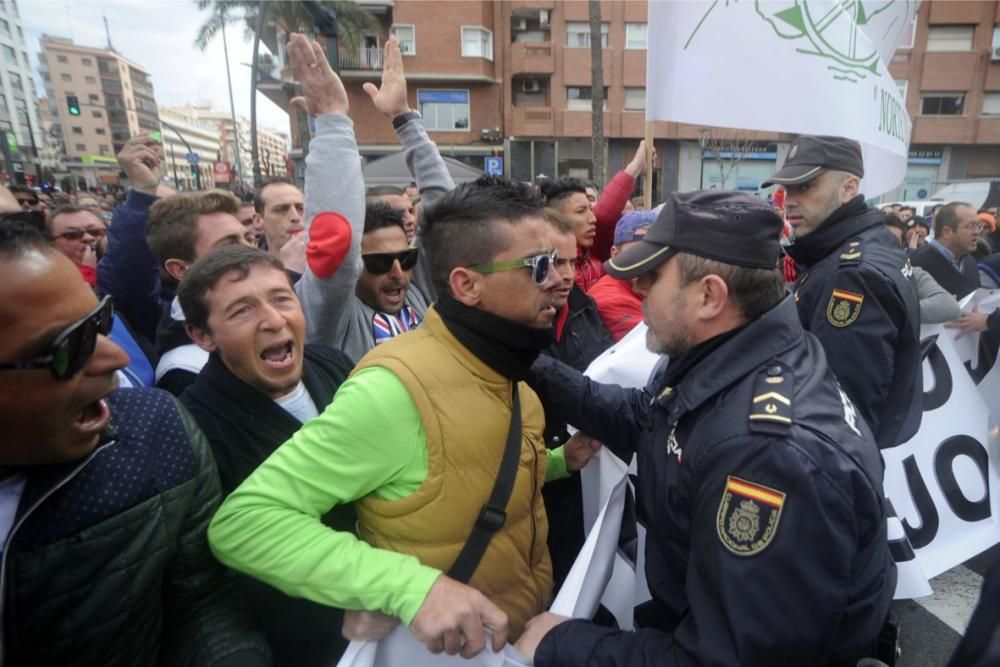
849,188
713,297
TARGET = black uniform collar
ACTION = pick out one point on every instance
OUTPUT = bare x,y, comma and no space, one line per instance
847,221
755,344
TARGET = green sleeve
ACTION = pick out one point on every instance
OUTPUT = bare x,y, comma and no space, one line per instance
369,440
556,464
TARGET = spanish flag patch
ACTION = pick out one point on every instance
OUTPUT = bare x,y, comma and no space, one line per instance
844,307
748,516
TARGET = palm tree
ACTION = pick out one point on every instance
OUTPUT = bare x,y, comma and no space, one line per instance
288,17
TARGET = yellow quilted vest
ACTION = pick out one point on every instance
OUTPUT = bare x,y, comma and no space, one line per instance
466,408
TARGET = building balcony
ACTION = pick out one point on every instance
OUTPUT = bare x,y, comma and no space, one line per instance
363,60
989,130
532,122
942,130
531,58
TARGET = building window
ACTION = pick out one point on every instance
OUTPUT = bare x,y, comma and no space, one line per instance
444,110
94,99
578,35
87,62
90,79
104,149
635,35
407,36
991,104
942,104
578,98
908,34
62,59
100,130
950,37
77,130
15,81
477,43
4,27
81,147
635,99
96,113
9,54
65,77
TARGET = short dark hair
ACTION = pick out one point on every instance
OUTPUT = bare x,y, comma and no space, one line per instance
258,192
947,216
18,238
172,229
557,221
208,270
752,291
561,188
68,209
908,208
380,190
468,225
379,215
893,220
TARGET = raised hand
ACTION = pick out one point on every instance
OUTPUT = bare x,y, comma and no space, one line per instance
390,98
322,90
140,160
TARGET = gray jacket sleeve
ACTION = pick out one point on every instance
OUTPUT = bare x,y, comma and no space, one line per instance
335,218
936,305
433,180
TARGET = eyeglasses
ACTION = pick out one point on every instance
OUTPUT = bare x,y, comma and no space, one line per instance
974,226
540,266
29,202
77,234
72,349
378,263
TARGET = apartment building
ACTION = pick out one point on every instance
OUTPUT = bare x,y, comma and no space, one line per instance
19,117
97,100
185,133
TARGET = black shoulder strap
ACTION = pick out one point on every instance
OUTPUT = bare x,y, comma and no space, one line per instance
494,513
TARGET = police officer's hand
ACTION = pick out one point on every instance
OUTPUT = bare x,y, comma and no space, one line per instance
366,626
535,631
455,618
578,450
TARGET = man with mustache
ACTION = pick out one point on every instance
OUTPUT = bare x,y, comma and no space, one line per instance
853,290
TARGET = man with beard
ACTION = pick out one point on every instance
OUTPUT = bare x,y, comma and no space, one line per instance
759,487
853,290
105,494
415,439
260,384
383,305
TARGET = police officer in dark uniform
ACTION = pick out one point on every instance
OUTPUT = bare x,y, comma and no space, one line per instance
758,483
854,291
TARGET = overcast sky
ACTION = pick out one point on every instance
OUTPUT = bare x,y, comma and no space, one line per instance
159,35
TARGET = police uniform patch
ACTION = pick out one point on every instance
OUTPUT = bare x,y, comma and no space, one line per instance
748,516
844,308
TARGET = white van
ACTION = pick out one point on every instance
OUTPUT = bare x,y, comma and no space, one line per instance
971,192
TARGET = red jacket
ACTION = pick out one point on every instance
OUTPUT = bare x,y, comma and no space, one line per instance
607,210
619,307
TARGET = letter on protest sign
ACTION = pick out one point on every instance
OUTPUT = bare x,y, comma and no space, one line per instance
841,53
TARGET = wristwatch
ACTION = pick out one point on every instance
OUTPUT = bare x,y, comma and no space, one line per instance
404,118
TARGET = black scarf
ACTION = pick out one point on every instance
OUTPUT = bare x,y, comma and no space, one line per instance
678,368
505,346
849,220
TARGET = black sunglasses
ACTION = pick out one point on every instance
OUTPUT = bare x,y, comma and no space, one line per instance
77,234
72,349
378,263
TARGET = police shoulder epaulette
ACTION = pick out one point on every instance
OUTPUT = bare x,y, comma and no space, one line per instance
771,406
851,254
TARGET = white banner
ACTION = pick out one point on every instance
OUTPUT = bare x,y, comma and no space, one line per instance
806,66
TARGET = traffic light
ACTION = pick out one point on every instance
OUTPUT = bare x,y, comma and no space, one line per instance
73,105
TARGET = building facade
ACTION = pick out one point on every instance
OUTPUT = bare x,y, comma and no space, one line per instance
97,100
19,117
186,135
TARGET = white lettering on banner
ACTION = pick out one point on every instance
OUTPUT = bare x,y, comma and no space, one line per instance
841,50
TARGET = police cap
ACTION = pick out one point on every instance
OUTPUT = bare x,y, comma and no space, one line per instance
729,227
810,156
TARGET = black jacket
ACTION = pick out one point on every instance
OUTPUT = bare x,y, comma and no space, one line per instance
958,283
854,294
761,492
244,427
107,563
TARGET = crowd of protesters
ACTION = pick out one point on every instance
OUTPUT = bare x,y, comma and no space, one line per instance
244,431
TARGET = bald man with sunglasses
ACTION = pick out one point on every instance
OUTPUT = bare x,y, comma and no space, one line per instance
105,493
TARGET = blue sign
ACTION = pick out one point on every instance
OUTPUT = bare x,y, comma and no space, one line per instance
443,96
193,158
921,194
494,166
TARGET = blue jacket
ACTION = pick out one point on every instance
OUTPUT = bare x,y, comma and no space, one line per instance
128,271
761,491
107,562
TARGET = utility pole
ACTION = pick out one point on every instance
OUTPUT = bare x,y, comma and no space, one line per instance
262,8
232,104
